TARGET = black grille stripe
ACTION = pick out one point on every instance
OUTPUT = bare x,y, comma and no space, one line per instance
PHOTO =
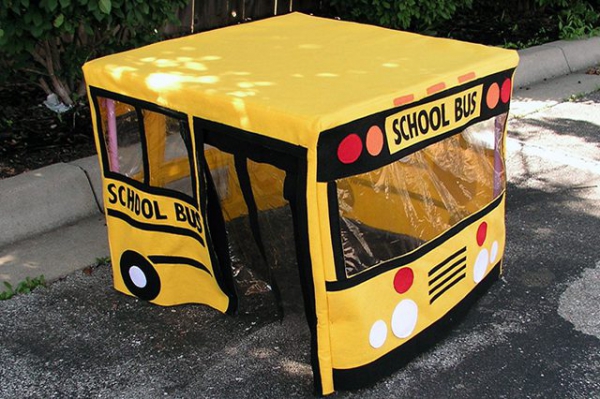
448,260
450,272
462,260
446,288
450,277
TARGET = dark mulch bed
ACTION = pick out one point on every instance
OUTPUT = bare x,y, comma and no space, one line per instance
32,136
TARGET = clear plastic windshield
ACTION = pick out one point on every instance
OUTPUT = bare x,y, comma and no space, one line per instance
395,209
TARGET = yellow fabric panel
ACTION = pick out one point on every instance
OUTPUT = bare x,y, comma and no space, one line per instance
354,311
314,197
180,283
267,185
291,77
373,209
172,170
226,181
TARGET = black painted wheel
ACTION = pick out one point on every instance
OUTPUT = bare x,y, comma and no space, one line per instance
140,277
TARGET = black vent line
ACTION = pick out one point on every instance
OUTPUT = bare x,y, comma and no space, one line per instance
447,274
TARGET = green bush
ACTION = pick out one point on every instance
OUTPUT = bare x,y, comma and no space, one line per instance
576,19
49,40
579,19
419,16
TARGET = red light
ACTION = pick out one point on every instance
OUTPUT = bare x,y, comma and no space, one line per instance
505,91
481,233
403,280
350,149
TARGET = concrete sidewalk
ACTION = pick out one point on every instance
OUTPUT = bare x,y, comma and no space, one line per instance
51,221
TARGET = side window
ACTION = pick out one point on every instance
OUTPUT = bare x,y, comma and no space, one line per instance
147,146
169,152
122,137
390,211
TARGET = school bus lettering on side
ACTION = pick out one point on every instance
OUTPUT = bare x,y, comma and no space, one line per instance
186,214
414,125
149,209
130,199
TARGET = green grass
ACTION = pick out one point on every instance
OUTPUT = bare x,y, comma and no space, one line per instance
103,261
24,287
29,284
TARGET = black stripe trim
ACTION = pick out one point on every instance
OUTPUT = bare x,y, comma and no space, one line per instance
334,227
448,270
412,256
214,222
155,227
159,259
241,169
144,144
250,145
452,284
438,267
450,277
360,377
96,91
297,199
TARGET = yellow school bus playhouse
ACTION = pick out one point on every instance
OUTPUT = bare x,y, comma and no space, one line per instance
384,148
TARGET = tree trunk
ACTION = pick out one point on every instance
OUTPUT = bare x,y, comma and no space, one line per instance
61,90
45,56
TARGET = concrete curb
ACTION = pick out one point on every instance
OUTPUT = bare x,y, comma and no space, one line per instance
555,59
48,198
35,202
91,168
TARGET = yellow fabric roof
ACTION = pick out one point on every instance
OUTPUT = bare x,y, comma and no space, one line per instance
292,76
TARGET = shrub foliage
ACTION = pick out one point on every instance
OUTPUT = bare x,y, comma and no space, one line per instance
49,40
420,16
575,19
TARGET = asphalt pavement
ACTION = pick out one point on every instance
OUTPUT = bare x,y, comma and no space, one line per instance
535,334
